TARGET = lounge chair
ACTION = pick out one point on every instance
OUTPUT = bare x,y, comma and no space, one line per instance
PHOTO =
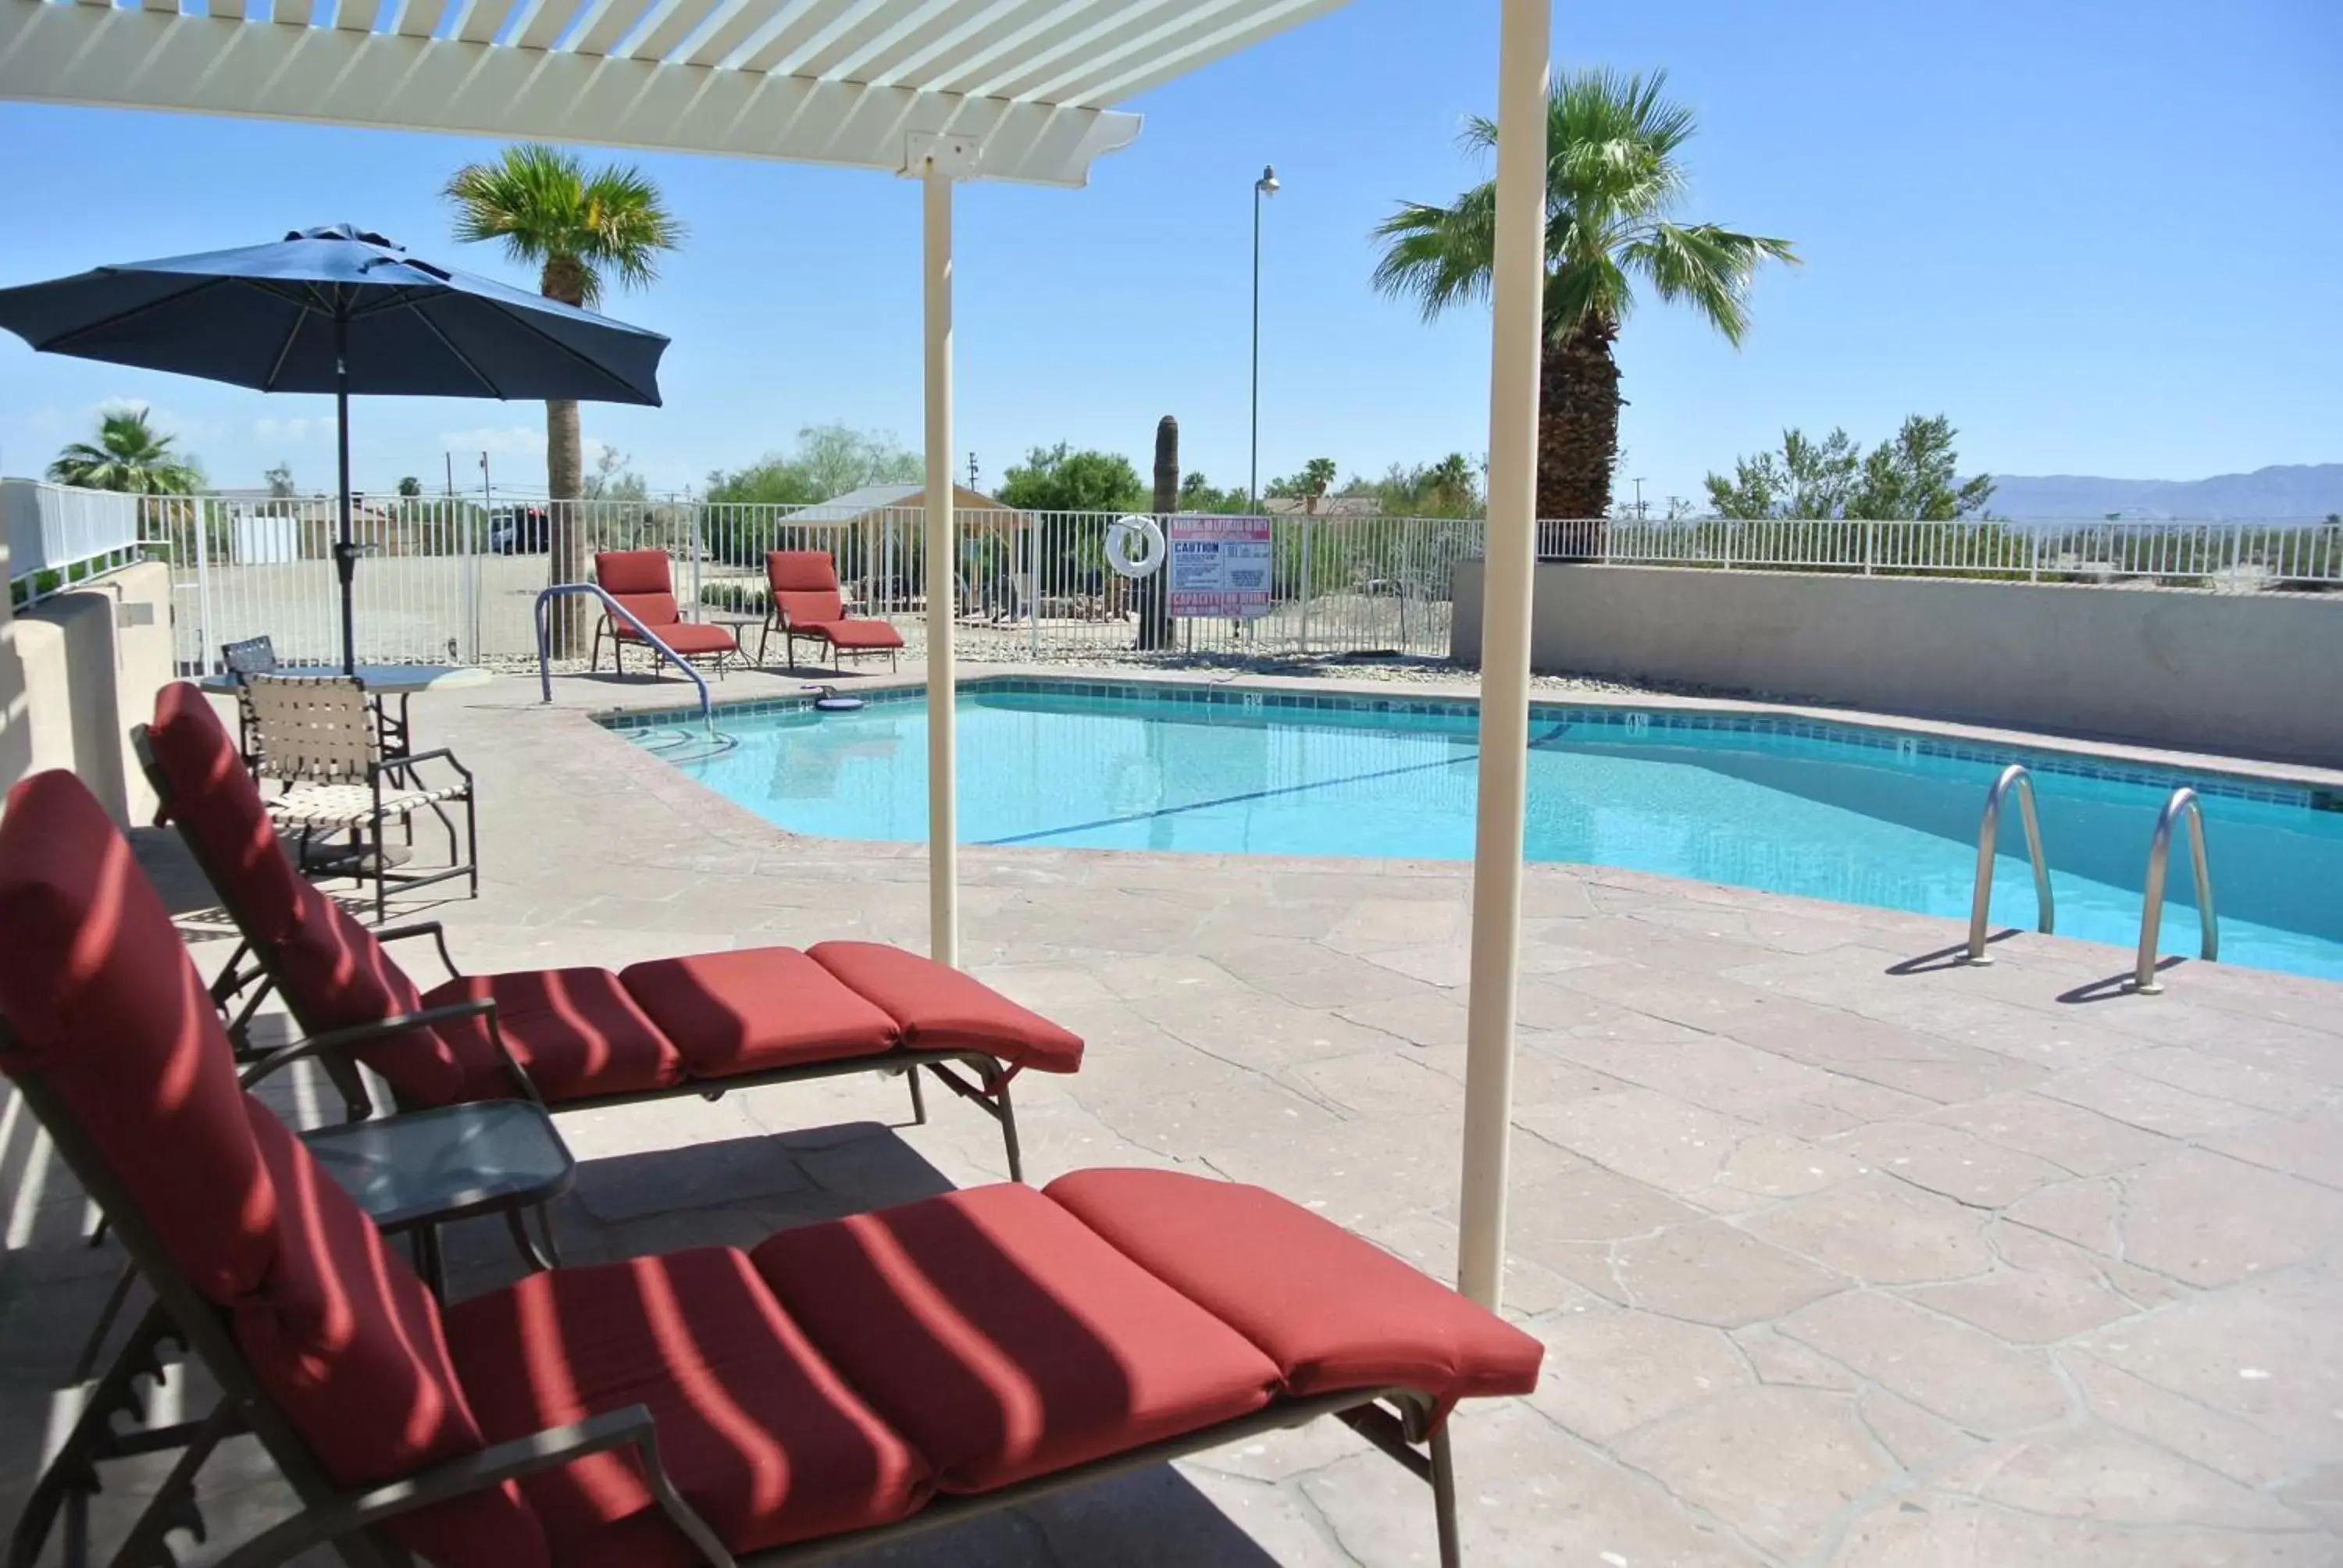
577,1037
806,603
840,1384
643,582
316,736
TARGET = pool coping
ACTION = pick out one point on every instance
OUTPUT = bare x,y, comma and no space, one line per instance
2274,783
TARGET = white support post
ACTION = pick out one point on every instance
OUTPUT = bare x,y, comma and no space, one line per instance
943,814
1506,581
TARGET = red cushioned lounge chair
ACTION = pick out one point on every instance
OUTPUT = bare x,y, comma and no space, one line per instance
838,1385
643,581
575,1038
806,603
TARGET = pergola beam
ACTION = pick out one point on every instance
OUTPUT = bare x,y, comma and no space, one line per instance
96,55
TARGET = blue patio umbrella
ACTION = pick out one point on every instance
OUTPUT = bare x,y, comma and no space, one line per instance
343,311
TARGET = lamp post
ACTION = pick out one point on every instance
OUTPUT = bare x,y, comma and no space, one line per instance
1264,186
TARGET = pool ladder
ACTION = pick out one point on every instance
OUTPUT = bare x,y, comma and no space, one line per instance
2013,777
2183,805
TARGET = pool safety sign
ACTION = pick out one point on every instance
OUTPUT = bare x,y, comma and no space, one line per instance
1220,568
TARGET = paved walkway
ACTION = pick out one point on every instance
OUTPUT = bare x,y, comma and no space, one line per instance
1846,1255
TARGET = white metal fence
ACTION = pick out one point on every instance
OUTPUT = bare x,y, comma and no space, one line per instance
57,535
456,579
2240,557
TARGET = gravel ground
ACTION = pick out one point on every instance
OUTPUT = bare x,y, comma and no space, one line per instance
1400,669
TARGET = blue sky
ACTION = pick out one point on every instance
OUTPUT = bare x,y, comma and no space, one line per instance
2102,236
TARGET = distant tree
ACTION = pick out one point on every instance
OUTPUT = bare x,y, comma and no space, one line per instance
1808,478
1911,475
129,454
1916,475
830,460
1614,174
1059,479
410,488
279,481
835,459
1309,487
1448,488
579,228
1198,494
772,480
613,480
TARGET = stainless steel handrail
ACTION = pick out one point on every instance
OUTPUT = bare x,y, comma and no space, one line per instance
2184,802
2013,777
544,656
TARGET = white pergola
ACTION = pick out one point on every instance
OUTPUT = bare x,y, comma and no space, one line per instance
942,91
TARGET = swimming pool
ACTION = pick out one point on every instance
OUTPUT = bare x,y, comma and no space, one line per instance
1848,812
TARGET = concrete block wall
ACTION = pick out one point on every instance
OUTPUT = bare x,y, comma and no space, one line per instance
2246,674
76,672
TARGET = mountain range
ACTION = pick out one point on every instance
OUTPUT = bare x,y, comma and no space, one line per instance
2289,493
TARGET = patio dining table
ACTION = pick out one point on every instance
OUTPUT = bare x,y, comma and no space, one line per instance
382,681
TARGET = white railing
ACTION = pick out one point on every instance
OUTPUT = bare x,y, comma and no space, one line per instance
2239,557
58,536
455,579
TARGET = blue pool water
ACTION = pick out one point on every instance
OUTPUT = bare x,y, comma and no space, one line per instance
1859,815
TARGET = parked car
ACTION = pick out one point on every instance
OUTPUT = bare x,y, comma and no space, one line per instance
520,531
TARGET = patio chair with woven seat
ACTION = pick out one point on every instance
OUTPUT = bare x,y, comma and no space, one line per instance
242,661
807,602
579,1038
840,1384
643,581
315,734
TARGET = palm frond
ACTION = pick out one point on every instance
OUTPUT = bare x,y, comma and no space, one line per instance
1615,174
549,211
1440,256
1705,267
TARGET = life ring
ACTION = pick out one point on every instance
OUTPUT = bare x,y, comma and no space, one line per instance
1118,537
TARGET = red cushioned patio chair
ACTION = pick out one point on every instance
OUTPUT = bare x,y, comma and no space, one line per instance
838,1385
806,603
643,582
574,1039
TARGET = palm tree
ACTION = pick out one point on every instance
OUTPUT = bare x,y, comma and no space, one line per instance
1613,175
129,454
1449,482
579,228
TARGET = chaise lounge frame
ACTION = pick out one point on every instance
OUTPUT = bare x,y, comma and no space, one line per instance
1398,1422
989,1090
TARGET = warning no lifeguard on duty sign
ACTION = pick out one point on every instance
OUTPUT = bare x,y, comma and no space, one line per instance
1219,567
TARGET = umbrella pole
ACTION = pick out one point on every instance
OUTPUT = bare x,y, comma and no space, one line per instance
346,549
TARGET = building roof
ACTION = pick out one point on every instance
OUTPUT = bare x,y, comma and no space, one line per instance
1326,506
869,499
1019,89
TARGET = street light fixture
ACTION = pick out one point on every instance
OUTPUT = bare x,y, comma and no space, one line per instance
1264,186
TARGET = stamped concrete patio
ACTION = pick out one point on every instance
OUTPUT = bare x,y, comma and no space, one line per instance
1845,1254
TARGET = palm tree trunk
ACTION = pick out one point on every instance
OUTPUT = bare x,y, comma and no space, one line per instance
565,479
566,561
1578,438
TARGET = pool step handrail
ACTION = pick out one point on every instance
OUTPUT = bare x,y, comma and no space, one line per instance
620,612
2013,777
2182,803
